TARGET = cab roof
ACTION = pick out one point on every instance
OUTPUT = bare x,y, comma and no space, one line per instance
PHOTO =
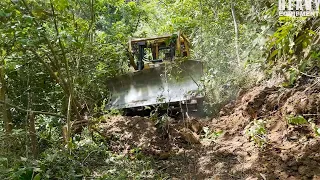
151,38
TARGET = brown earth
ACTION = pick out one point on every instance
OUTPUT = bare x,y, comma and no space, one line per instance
288,152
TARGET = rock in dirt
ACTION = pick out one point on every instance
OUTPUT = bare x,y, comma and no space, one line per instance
189,136
164,155
316,177
302,102
195,125
303,170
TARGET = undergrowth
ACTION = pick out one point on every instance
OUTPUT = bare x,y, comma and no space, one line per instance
86,160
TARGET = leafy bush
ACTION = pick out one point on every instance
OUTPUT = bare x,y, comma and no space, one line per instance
296,120
257,132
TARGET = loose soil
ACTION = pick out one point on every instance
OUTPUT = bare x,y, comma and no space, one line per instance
289,151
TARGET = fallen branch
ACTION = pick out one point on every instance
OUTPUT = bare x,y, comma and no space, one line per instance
311,114
308,75
80,122
31,111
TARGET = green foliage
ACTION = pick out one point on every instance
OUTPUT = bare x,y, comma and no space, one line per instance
54,48
209,24
211,135
257,132
315,128
82,43
296,120
162,121
88,159
13,145
293,48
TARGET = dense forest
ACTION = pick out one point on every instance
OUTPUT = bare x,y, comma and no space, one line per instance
260,85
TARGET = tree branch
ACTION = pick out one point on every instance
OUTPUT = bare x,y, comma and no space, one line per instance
42,32
90,26
66,63
236,32
31,111
52,73
60,43
60,81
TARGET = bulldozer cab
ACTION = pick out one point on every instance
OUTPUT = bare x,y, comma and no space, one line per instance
147,52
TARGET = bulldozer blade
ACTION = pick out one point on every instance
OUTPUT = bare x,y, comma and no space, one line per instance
169,82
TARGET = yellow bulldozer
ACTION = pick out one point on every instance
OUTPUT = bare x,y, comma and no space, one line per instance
157,49
163,74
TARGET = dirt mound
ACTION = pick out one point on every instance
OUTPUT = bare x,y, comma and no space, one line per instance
133,131
290,151
257,117
128,133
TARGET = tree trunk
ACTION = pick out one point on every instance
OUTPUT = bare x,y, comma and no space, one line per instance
33,135
4,109
69,123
